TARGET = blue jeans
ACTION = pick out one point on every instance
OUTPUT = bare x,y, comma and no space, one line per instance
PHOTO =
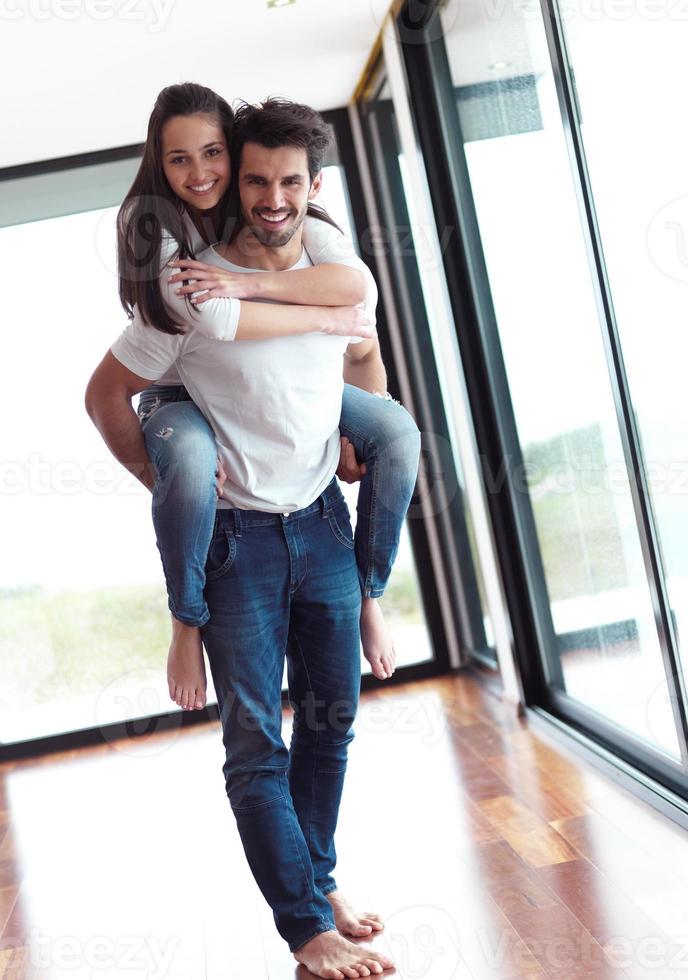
181,446
279,586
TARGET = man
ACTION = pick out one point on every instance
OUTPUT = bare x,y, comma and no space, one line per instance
281,573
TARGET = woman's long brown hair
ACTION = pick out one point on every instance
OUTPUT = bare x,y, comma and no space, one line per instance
151,213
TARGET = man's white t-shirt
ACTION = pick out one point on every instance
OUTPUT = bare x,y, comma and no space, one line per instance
274,404
218,318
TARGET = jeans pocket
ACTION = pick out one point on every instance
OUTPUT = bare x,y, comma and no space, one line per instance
338,517
221,554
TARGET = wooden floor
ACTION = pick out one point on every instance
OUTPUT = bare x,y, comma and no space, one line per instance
492,853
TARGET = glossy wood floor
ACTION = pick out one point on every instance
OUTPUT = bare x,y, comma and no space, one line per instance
492,853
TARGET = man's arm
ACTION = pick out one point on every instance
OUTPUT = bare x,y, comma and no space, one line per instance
363,366
108,402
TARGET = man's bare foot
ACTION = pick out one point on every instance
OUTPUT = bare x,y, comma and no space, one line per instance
378,644
185,666
331,956
351,923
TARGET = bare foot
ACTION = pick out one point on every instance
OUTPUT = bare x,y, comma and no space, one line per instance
185,666
331,956
351,923
378,644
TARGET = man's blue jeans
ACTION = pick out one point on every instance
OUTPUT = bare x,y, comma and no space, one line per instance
286,585
181,445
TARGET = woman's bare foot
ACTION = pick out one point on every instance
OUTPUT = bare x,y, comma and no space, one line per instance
377,640
331,956
351,923
185,666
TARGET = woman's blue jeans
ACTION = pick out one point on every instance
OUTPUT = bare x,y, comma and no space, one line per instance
181,446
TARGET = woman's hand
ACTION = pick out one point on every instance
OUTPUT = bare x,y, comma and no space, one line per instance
347,321
201,281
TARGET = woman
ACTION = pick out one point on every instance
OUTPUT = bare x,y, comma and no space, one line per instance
178,204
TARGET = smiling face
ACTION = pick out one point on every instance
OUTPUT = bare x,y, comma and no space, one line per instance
275,188
195,159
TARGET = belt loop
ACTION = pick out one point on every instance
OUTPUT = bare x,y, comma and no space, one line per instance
324,504
236,517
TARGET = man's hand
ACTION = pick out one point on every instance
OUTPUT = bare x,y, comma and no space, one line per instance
349,470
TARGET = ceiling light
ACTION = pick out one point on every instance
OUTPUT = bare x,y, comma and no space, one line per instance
499,65
280,3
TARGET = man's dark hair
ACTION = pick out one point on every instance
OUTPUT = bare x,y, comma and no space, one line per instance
279,122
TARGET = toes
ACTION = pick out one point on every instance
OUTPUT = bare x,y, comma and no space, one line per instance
363,970
374,966
374,922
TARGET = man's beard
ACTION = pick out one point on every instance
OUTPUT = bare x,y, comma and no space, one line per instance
276,239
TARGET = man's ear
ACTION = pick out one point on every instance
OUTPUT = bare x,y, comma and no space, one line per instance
315,186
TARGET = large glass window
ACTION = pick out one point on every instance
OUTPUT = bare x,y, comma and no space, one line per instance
607,653
636,156
397,243
401,603
83,612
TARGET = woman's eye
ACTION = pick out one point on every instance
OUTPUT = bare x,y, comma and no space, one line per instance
214,152
177,159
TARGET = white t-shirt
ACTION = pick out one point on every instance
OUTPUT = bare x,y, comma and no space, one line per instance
218,318
274,404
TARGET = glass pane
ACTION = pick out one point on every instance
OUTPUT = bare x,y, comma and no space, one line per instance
401,603
400,229
608,654
84,617
636,154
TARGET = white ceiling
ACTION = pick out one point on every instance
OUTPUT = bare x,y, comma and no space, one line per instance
82,75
